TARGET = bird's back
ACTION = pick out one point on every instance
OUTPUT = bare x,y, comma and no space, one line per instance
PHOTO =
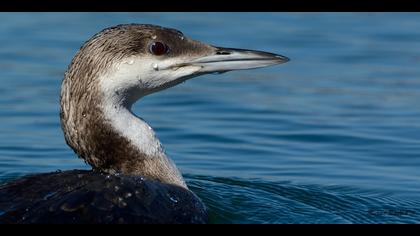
81,196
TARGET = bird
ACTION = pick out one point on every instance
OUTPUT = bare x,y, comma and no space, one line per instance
132,180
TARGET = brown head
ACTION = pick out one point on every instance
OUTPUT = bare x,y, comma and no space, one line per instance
115,68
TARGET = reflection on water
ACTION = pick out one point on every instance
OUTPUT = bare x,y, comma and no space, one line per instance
333,136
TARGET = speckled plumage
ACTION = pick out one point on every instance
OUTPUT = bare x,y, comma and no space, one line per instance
85,127
81,196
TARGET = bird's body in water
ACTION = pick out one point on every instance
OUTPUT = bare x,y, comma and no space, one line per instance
132,179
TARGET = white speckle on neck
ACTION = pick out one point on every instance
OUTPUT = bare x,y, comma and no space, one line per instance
155,66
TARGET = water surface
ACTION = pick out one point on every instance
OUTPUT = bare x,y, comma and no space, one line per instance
333,136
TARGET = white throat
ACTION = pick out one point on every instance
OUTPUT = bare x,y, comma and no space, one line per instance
121,87
117,85
135,129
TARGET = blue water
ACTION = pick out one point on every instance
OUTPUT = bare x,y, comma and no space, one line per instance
333,136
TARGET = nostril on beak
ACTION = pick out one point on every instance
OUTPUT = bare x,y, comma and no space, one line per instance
222,53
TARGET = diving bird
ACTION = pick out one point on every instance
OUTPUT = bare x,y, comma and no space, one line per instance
132,179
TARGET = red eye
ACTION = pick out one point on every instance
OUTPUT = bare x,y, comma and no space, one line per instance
158,48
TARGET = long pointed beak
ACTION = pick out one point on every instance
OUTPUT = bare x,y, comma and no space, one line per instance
227,59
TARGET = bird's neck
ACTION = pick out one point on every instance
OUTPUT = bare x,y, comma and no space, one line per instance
139,150
102,130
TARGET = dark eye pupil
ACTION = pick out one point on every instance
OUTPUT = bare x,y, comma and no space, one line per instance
158,48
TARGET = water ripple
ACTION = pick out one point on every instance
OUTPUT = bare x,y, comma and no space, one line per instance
256,201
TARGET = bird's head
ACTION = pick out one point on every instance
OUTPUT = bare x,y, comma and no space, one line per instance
133,60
